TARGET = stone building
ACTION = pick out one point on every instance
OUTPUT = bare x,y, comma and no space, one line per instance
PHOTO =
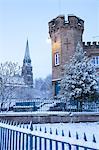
64,38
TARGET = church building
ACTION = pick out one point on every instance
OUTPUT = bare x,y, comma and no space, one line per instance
64,38
27,68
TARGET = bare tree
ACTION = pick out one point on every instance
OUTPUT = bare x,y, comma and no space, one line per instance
9,76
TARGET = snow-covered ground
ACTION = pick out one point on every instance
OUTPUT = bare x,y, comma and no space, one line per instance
46,106
88,128
44,113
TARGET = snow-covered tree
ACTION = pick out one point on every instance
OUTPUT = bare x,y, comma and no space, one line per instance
79,81
8,81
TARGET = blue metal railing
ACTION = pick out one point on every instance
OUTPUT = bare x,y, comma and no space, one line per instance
22,137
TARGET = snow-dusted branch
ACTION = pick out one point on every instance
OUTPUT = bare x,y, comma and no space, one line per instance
8,83
79,78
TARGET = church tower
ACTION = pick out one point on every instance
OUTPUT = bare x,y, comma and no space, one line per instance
27,68
64,38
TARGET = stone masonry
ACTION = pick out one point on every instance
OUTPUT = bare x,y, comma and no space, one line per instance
64,38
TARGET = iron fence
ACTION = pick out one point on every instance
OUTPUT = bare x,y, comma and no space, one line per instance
25,137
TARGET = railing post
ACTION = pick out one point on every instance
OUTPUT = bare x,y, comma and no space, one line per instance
1,140
13,135
23,141
1,137
50,144
31,137
31,142
56,145
5,138
19,141
77,147
69,146
63,147
77,137
35,142
40,143
56,141
10,145
50,140
45,144
8,140
16,140
26,141
94,140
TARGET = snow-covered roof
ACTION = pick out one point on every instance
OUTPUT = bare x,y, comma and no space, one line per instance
16,80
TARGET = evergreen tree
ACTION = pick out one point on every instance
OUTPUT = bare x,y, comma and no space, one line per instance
79,81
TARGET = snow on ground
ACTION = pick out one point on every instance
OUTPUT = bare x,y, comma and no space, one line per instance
44,113
80,128
46,106
88,128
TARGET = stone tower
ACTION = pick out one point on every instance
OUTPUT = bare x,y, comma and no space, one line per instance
64,38
27,68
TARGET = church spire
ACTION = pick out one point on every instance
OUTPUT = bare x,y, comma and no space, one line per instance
27,54
27,68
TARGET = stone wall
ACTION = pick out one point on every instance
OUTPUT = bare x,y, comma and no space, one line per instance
51,117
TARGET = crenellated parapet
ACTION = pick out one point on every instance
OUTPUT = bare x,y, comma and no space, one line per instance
56,24
75,22
59,22
64,37
91,45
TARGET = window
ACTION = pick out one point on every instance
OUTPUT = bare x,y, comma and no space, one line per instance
95,60
57,88
57,59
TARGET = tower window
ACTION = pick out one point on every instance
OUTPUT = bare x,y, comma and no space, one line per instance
57,58
95,60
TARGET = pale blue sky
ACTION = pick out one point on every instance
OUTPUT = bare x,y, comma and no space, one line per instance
20,19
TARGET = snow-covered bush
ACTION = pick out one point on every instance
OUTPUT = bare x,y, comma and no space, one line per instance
79,80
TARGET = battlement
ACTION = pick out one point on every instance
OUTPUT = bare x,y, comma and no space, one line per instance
59,22
93,44
56,24
75,21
